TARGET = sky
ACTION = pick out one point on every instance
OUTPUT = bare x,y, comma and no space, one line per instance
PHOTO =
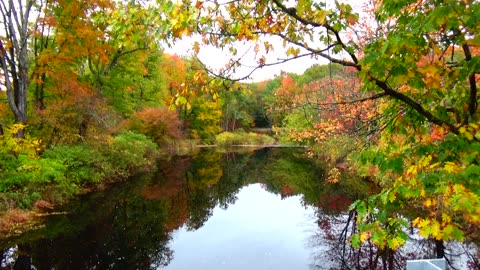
215,58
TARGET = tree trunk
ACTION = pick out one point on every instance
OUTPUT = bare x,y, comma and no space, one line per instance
82,130
40,93
14,59
439,248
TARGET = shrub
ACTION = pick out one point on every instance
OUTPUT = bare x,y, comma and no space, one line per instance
228,139
61,171
130,151
242,138
160,124
83,163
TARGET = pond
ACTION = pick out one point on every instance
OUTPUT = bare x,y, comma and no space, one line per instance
263,209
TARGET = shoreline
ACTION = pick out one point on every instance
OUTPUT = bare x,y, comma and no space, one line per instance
16,221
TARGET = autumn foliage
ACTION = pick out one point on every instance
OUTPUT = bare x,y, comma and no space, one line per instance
76,103
329,106
160,124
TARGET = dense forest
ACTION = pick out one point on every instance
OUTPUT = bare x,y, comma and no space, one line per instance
89,97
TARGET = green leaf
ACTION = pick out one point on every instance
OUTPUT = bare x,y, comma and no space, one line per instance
355,240
359,206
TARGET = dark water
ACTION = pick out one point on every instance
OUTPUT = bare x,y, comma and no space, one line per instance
265,209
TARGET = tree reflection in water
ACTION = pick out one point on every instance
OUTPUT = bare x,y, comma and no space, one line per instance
332,250
126,234
130,225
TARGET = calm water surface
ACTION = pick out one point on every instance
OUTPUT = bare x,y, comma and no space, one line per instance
264,209
259,231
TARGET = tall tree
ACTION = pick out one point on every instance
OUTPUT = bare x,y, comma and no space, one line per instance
14,61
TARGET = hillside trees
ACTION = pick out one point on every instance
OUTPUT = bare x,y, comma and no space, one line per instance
238,107
82,41
422,59
85,66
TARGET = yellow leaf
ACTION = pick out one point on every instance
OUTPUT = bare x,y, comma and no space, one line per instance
257,48
436,231
434,165
392,196
395,243
424,161
473,125
450,167
446,219
364,236
412,170
417,221
196,47
428,202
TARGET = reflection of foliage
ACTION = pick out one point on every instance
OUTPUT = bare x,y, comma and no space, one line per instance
114,230
331,242
203,175
206,170
289,174
333,234
295,173
129,226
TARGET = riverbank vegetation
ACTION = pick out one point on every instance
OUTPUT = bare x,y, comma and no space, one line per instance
102,101
89,96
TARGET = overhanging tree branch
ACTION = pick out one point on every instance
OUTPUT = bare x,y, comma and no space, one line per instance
293,13
414,105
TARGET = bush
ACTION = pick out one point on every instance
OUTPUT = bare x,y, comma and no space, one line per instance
160,124
130,152
228,139
62,170
84,164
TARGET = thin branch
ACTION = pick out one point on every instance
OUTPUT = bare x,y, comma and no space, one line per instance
293,13
320,52
118,55
376,96
224,77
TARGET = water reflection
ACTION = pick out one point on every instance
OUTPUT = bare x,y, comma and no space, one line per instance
267,209
260,231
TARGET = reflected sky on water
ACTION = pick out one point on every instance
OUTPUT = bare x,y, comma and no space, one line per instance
259,231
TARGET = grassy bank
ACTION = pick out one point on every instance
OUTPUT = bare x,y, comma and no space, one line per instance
34,180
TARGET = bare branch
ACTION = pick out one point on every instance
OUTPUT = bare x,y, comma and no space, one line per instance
224,77
321,52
